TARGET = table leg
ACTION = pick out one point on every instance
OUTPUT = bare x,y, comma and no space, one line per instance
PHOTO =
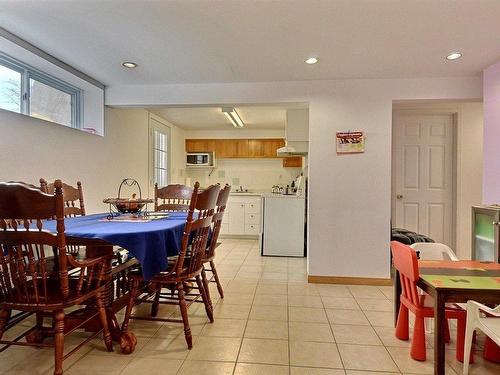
439,334
126,340
397,295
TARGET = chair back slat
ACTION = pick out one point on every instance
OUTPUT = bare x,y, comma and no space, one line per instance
173,198
406,262
217,220
196,230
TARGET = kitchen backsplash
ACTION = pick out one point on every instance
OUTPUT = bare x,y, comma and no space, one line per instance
259,174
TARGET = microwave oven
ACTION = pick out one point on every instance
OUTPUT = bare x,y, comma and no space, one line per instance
200,159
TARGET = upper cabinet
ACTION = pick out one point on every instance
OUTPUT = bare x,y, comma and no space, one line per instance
200,145
231,148
236,148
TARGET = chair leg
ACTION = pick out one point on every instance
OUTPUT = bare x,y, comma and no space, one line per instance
206,299
216,277
206,284
155,306
4,319
418,341
108,341
446,331
460,341
185,319
402,325
469,333
58,341
134,286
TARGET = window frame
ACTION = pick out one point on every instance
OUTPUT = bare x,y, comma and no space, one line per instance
28,72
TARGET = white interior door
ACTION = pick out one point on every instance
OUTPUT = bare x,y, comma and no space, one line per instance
423,175
159,153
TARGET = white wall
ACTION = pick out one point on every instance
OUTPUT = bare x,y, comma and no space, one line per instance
31,148
469,166
491,170
252,174
349,196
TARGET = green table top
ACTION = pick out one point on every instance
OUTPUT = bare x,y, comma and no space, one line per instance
463,282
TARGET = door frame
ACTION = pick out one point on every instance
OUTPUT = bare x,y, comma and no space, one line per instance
429,110
151,129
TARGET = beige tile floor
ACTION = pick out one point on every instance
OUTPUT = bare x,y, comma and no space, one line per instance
270,322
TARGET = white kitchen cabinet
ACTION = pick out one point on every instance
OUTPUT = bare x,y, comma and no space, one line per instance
236,216
242,216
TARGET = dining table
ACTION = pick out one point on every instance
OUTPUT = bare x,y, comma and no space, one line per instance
149,242
453,282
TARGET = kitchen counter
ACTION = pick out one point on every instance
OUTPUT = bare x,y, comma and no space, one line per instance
272,195
250,193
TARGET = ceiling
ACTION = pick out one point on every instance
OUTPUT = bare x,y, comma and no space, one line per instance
198,41
211,117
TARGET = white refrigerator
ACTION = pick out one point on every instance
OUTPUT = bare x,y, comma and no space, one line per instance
283,225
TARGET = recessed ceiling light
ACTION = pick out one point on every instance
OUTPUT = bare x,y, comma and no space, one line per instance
454,56
311,60
129,64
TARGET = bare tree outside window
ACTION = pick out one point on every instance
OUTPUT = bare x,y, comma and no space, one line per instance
10,89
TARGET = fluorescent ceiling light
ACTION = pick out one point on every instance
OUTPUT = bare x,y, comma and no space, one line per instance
454,56
129,64
233,116
311,60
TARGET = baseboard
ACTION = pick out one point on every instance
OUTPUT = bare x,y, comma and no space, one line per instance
348,280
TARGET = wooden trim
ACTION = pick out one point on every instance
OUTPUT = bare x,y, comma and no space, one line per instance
349,280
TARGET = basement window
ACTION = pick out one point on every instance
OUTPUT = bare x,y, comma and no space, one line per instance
26,90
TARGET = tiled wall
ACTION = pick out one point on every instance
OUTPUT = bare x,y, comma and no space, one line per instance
259,174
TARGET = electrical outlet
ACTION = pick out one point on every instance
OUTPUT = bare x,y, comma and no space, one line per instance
235,181
221,173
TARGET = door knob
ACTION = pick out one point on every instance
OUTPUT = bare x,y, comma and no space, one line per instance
399,196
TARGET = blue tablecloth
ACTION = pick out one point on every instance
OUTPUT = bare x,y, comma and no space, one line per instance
150,242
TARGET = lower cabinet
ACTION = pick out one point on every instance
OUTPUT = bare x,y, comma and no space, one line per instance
242,216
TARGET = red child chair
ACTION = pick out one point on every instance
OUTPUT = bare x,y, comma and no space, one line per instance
405,261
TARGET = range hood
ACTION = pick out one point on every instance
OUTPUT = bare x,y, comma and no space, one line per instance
291,151
296,133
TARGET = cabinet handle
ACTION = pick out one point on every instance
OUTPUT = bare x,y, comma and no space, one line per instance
496,223
242,205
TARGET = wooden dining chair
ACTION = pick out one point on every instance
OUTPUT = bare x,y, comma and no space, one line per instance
25,283
405,261
173,198
73,197
73,206
213,243
185,268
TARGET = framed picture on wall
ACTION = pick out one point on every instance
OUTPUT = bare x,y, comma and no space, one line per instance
350,142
